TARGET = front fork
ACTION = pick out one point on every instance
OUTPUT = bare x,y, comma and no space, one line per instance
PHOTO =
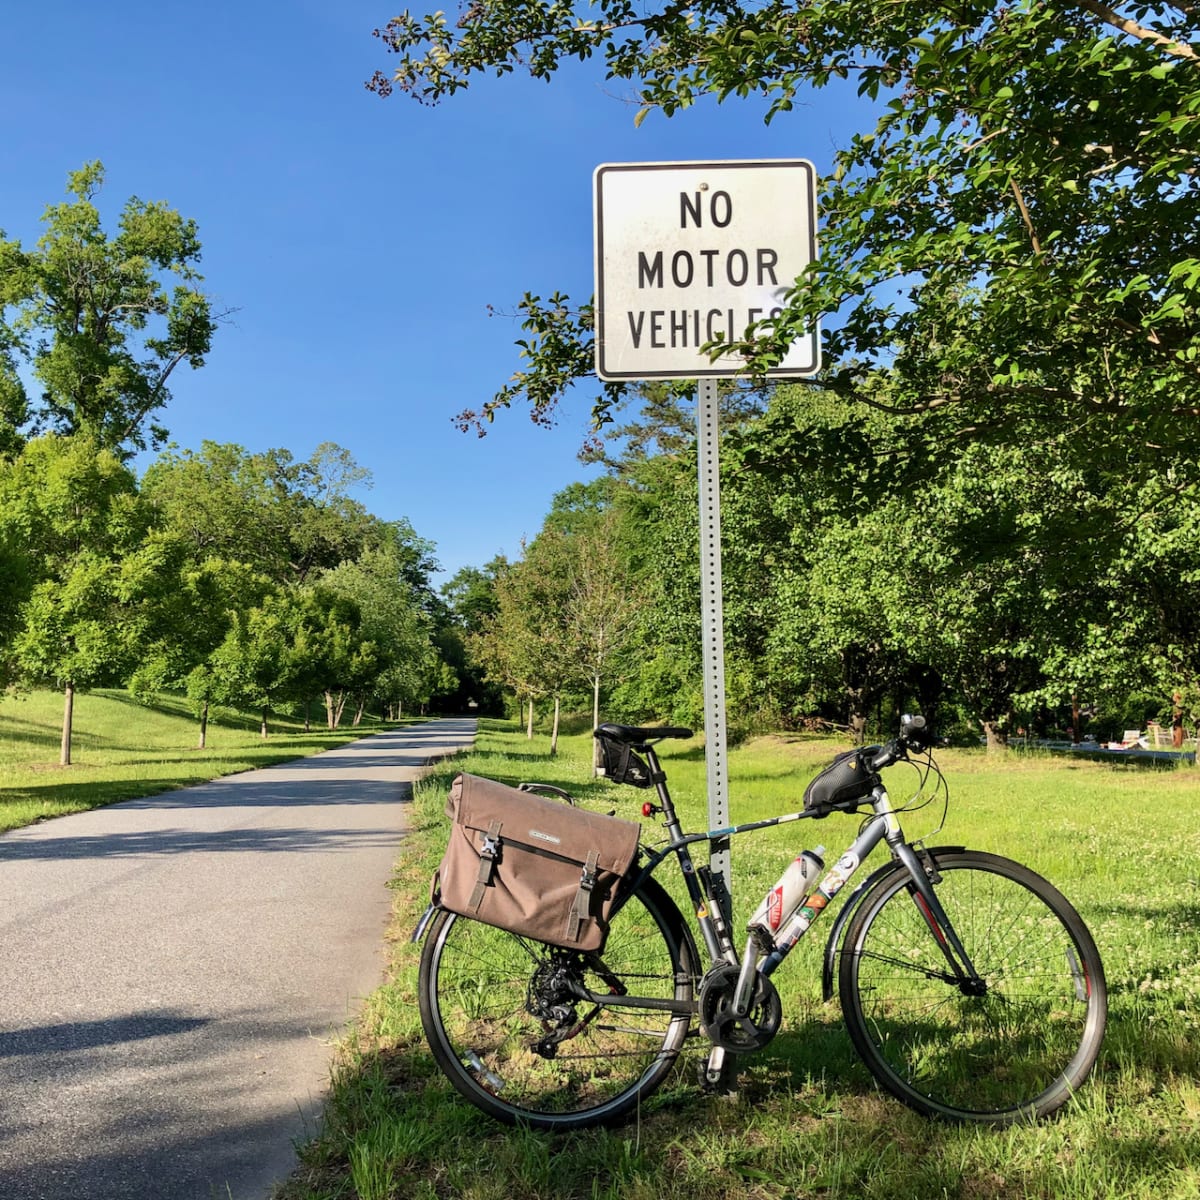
922,877
939,923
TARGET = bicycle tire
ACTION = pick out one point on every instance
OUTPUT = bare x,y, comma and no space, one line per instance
487,999
1017,1052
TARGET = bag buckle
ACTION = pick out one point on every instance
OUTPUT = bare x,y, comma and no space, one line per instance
489,852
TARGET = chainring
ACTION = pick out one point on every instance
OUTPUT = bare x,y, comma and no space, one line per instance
723,1027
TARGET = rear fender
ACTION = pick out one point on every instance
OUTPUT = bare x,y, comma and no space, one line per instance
423,923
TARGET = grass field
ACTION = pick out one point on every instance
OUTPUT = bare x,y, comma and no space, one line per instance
122,750
807,1121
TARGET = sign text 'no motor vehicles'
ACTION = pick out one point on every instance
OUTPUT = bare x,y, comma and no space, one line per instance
693,253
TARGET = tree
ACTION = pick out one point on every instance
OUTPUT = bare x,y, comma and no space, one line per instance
329,651
602,607
14,405
255,664
468,603
1141,632
567,610
838,623
103,322
289,519
189,607
223,502
72,506
393,622
1015,237
470,594
517,644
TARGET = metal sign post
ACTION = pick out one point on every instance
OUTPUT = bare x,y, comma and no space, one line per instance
688,254
712,621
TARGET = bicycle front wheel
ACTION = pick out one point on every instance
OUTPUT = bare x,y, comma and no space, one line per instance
506,1024
1011,1044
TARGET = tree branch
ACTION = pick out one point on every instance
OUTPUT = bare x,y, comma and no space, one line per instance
1133,29
1033,237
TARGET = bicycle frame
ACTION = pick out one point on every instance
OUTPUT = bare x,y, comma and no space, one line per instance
882,826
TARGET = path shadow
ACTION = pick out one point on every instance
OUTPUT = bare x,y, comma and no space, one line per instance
175,1126
187,841
70,1036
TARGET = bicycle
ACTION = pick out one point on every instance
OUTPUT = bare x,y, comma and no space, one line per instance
969,985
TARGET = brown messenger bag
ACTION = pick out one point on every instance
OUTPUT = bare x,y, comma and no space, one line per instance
533,866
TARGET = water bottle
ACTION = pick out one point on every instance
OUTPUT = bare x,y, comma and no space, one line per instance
784,898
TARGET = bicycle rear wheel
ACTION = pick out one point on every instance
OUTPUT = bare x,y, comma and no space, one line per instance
1013,1045
507,1028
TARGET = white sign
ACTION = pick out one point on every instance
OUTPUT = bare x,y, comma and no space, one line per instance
692,253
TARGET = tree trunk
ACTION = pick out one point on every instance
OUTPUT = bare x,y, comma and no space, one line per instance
1076,732
554,730
1177,721
203,744
358,713
597,757
64,755
329,709
858,728
856,717
997,738
262,729
529,724
929,690
308,715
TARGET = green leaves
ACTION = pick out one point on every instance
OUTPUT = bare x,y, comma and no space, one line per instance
103,322
1025,195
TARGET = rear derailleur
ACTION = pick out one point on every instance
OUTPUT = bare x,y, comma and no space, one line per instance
551,999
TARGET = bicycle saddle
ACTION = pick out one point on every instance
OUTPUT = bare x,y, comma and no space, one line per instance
636,735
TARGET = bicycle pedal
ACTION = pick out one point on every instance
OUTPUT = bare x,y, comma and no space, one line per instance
718,1078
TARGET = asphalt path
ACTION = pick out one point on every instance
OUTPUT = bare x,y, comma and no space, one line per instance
175,970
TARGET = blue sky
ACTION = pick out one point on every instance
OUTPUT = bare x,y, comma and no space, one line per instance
361,241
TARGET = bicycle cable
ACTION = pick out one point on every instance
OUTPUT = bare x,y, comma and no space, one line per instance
923,797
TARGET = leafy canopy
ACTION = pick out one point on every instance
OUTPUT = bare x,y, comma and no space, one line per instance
1017,234
102,321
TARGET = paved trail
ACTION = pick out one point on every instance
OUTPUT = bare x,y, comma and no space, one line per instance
174,969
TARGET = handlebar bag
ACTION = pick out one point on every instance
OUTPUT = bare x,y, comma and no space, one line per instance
843,785
534,866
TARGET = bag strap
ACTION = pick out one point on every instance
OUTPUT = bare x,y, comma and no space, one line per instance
581,906
487,864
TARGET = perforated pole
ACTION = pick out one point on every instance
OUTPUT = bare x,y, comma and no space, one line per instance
712,622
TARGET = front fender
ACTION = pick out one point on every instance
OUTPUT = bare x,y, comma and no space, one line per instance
855,898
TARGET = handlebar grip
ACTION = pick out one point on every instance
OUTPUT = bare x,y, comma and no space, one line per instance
889,752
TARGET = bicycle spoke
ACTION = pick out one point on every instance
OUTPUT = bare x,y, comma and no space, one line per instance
515,1034
1013,1042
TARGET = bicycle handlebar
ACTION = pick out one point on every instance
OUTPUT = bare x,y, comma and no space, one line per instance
914,735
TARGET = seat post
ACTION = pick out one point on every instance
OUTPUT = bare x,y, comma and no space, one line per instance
660,786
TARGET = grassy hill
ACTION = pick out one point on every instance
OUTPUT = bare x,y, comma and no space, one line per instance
123,749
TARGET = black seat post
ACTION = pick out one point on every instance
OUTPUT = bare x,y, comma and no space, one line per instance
660,786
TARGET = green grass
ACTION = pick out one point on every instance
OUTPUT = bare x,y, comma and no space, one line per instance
1121,841
122,750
